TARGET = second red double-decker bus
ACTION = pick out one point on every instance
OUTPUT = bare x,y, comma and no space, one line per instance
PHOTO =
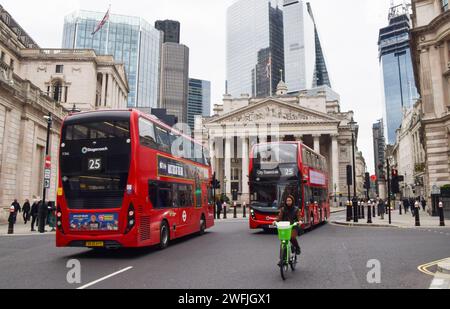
280,169
128,180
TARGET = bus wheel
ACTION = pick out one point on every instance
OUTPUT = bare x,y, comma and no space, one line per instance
164,236
202,225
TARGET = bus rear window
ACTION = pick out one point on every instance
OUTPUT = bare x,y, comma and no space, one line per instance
98,130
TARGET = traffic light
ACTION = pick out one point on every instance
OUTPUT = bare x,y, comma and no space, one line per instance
349,175
395,186
215,183
367,181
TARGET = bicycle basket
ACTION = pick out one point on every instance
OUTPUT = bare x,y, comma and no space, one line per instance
284,231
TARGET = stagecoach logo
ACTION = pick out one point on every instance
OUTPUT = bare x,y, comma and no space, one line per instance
268,172
86,150
184,216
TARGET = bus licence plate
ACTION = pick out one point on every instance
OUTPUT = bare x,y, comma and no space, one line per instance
95,244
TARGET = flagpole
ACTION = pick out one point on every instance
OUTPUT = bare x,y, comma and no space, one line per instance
107,30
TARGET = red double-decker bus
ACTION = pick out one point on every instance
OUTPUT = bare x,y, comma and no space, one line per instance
280,169
128,180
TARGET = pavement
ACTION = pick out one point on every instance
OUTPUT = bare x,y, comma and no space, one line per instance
230,256
442,276
20,229
398,221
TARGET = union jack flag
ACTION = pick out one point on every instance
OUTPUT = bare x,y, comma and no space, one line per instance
102,23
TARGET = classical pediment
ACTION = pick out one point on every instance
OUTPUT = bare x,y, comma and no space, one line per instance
274,111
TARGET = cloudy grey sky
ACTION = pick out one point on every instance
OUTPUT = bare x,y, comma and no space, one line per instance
348,30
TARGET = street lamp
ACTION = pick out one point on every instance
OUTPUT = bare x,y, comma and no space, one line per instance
47,177
353,127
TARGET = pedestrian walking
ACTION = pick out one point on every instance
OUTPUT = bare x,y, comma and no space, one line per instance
34,214
382,207
406,205
26,209
219,208
424,204
17,209
51,217
412,205
42,215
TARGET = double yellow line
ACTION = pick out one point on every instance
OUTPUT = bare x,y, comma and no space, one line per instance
424,268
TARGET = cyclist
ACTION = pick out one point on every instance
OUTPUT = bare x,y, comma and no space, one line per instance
291,213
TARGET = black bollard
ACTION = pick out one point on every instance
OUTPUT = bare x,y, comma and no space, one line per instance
225,212
400,208
349,211
235,211
417,210
363,215
369,214
215,211
374,213
244,210
441,214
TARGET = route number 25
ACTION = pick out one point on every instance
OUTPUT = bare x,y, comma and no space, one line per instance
95,164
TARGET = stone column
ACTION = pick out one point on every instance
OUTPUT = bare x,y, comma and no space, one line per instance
245,170
108,101
316,138
103,100
227,166
212,154
335,161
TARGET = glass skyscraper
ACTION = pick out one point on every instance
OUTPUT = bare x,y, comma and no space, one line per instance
254,40
400,90
299,46
131,40
199,103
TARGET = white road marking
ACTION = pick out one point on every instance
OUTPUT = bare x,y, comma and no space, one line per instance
104,278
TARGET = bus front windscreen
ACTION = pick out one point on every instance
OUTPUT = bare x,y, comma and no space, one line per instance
95,163
272,195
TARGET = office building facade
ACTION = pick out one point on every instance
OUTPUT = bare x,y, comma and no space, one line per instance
400,92
130,40
171,30
255,47
174,87
199,102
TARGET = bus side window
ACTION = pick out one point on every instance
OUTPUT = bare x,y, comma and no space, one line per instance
153,193
147,133
163,139
161,195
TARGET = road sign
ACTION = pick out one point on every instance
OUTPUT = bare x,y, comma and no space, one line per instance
47,184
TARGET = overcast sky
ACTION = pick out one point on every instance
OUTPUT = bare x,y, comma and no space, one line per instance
348,30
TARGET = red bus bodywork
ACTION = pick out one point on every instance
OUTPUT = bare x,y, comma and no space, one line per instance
314,212
136,206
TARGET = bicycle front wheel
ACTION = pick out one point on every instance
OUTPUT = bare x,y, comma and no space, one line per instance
284,263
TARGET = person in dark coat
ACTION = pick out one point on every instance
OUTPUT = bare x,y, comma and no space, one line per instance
34,214
424,204
406,205
17,209
42,215
26,211
219,208
382,206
